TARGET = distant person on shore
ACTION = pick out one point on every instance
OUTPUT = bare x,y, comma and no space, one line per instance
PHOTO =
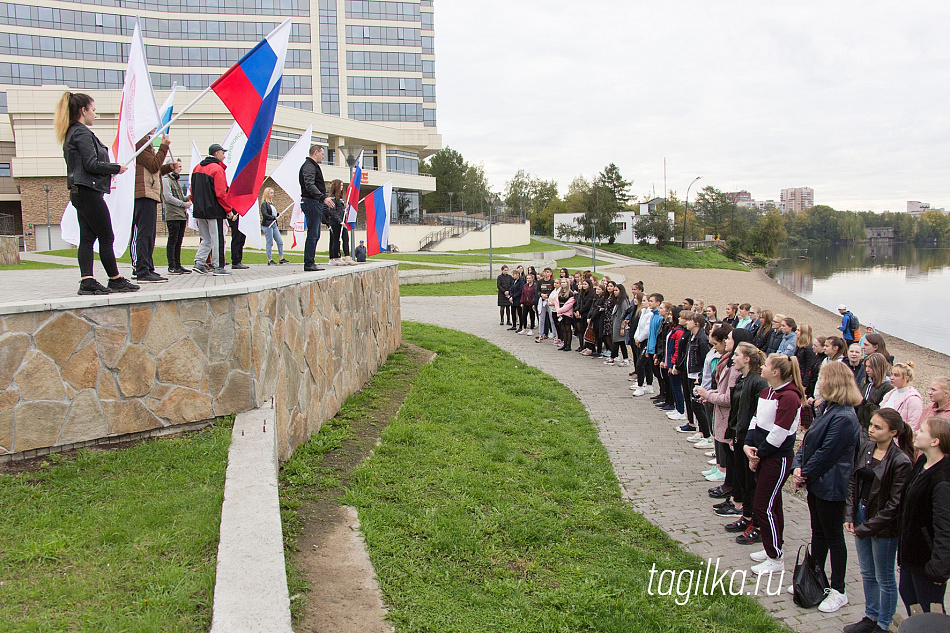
88,178
360,252
849,326
209,193
904,397
176,218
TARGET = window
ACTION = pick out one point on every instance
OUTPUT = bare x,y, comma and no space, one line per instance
5,170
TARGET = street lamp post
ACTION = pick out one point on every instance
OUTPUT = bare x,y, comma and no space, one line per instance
49,237
686,212
352,154
593,246
491,268
451,193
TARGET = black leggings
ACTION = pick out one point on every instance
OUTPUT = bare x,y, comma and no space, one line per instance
744,480
645,369
527,310
176,233
618,347
827,534
95,223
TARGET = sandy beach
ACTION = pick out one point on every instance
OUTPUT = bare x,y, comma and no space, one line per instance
721,287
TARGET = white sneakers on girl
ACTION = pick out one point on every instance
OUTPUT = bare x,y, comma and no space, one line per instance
833,601
759,557
771,565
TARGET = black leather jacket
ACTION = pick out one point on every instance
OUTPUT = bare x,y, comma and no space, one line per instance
87,160
311,180
924,545
890,477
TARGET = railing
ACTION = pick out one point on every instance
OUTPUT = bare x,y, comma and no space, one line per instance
435,237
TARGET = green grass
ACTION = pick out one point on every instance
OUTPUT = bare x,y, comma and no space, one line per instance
404,266
579,262
114,541
188,256
491,505
28,265
533,246
676,257
471,287
460,260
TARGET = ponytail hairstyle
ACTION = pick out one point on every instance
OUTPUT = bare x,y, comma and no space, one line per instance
788,370
907,369
755,356
700,320
838,343
905,434
68,109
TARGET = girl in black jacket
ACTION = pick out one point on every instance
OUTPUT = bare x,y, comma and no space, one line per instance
89,177
874,492
514,297
805,353
923,551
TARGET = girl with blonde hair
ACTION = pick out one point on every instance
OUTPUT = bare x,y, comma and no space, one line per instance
269,217
904,397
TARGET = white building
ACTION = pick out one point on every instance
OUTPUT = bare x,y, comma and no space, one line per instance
917,208
627,221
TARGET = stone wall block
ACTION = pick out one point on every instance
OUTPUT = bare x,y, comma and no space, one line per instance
242,349
183,405
9,399
164,330
270,304
13,347
6,432
182,364
135,372
107,317
220,305
85,419
221,345
216,375
106,386
241,318
140,316
38,424
299,431
38,379
254,303
237,395
82,370
60,337
110,343
193,311
27,323
129,416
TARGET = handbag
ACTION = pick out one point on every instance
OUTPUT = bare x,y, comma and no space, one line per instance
809,581
589,334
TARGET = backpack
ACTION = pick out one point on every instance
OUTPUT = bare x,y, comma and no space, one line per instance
853,324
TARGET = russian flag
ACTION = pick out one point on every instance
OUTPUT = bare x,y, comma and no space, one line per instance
249,90
165,114
377,207
353,193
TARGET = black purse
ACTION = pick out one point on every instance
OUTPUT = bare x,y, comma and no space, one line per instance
809,581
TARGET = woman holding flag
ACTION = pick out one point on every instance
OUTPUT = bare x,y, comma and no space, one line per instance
335,218
89,177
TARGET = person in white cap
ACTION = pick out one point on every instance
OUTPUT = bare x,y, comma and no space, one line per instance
848,327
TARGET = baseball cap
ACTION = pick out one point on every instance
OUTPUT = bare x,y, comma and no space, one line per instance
842,307
214,148
361,241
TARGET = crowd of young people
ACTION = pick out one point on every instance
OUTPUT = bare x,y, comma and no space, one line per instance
871,460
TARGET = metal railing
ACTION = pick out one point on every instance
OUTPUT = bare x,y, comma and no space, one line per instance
435,237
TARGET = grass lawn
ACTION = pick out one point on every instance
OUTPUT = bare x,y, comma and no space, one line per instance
435,258
471,287
533,246
676,257
28,265
405,266
491,505
580,262
122,540
188,256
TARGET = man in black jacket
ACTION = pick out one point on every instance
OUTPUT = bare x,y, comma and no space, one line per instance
313,195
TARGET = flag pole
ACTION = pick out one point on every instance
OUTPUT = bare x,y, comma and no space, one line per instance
165,127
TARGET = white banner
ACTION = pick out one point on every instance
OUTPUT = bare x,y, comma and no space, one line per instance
287,175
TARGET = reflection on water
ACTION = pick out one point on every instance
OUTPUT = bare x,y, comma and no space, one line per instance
894,287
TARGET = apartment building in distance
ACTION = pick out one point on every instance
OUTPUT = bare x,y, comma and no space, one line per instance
917,208
744,199
361,71
796,199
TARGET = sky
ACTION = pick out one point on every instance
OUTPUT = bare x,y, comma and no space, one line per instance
849,98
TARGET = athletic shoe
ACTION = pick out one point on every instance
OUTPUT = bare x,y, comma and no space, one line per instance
695,437
676,415
348,261
609,361
201,269
759,556
686,428
866,625
777,565
221,271
712,461
739,526
716,476
833,601
710,453
311,268
709,471
283,261
751,536
725,505
528,332
666,407
271,262
183,271
538,339
239,266
92,287
173,271
512,329
625,362
647,388
638,392
121,284
703,443
519,331
719,492
151,278
731,511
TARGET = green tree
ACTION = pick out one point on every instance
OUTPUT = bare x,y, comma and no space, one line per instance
449,169
714,208
933,225
655,225
620,188
475,190
768,233
600,218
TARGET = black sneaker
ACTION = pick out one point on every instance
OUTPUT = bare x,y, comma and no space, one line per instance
173,271
151,278
92,287
121,284
725,504
183,271
271,262
310,268
221,271
202,269
751,536
738,526
731,511
866,625
719,492
283,261
239,266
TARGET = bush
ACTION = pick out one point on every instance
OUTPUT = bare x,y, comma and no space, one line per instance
760,260
733,250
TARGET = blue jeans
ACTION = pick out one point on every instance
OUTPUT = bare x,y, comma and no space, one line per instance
878,559
676,386
313,211
272,234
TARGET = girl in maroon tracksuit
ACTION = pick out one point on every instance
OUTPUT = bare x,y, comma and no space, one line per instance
770,446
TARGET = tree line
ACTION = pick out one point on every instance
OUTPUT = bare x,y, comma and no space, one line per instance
711,212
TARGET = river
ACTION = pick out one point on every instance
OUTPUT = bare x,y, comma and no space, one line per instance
902,289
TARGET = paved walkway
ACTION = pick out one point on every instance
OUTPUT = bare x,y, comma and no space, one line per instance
658,469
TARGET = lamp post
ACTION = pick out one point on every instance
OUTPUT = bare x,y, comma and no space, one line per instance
352,154
593,245
491,268
686,212
49,237
451,193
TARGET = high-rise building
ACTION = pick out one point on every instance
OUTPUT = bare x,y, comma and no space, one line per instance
796,199
360,71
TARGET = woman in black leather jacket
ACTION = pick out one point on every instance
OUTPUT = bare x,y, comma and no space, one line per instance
89,177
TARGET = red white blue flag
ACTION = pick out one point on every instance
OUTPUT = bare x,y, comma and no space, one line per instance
377,207
353,193
249,90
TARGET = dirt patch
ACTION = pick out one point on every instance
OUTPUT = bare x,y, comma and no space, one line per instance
344,594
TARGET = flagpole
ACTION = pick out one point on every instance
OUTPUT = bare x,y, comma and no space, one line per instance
165,127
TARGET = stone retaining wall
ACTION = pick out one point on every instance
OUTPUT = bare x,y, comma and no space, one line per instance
9,250
76,375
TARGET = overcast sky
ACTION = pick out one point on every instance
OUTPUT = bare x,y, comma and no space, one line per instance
849,98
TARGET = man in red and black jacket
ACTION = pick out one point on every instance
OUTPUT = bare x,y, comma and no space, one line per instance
209,193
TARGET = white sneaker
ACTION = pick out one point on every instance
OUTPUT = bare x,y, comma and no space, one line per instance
648,389
759,557
712,461
528,333
791,589
676,415
703,443
639,392
769,566
716,476
710,453
695,437
833,601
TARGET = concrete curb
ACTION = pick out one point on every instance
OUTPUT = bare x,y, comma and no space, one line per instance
250,591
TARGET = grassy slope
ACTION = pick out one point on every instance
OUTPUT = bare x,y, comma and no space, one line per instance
489,506
676,257
114,541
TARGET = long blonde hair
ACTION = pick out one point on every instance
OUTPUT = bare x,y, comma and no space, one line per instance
836,384
264,193
788,370
68,109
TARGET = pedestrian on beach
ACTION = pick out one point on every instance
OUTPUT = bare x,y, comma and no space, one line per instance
849,324
269,216
88,178
176,205
904,396
823,466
